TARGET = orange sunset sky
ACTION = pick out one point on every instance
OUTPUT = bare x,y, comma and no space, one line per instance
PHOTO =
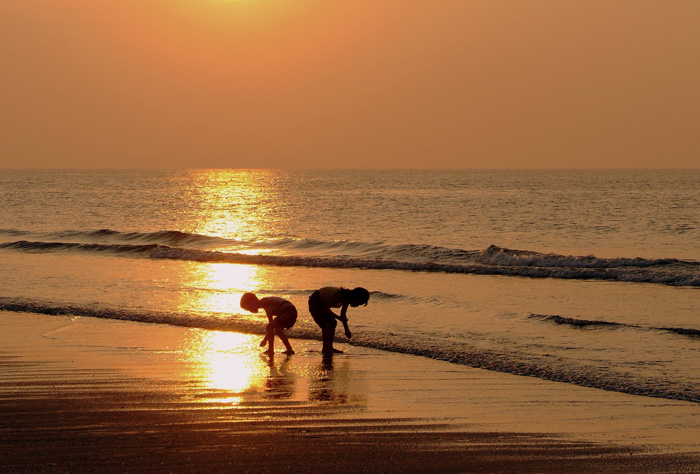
349,83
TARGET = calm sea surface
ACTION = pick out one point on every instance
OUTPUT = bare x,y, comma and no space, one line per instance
584,277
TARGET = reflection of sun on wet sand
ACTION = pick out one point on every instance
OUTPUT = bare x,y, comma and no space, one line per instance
167,399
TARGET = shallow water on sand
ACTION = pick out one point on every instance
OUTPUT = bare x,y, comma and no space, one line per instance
162,368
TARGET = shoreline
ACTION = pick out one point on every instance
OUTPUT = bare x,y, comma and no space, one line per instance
88,395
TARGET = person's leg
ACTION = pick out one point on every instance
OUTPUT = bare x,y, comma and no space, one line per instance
285,340
271,338
328,332
322,320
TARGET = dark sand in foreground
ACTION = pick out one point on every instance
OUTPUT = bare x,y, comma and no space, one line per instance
86,395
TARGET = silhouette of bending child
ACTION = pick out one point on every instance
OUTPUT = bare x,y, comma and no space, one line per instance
284,313
320,303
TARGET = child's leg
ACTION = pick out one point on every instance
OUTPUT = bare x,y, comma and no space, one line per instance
285,340
328,334
271,338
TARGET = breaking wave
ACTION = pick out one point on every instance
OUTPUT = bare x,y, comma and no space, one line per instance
372,256
582,323
164,237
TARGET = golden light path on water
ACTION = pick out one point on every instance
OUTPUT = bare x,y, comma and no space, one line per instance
228,206
217,287
222,361
238,205
229,203
227,363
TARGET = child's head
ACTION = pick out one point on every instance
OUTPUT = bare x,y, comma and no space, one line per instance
250,302
359,296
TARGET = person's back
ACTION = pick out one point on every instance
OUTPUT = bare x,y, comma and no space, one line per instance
332,296
273,305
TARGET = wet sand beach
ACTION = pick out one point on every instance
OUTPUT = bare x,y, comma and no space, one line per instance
90,395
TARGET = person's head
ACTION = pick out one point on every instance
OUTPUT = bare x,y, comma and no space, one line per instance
359,296
250,302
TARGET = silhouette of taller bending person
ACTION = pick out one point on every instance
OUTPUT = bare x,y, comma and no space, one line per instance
285,315
320,303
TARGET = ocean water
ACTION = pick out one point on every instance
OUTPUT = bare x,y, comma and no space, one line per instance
583,277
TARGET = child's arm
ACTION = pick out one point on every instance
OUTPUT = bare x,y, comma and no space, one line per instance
269,321
344,319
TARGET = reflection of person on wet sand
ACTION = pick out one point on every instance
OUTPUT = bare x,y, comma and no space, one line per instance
279,383
285,315
320,303
333,386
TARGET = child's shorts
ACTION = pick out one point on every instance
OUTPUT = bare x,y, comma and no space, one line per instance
316,308
287,316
